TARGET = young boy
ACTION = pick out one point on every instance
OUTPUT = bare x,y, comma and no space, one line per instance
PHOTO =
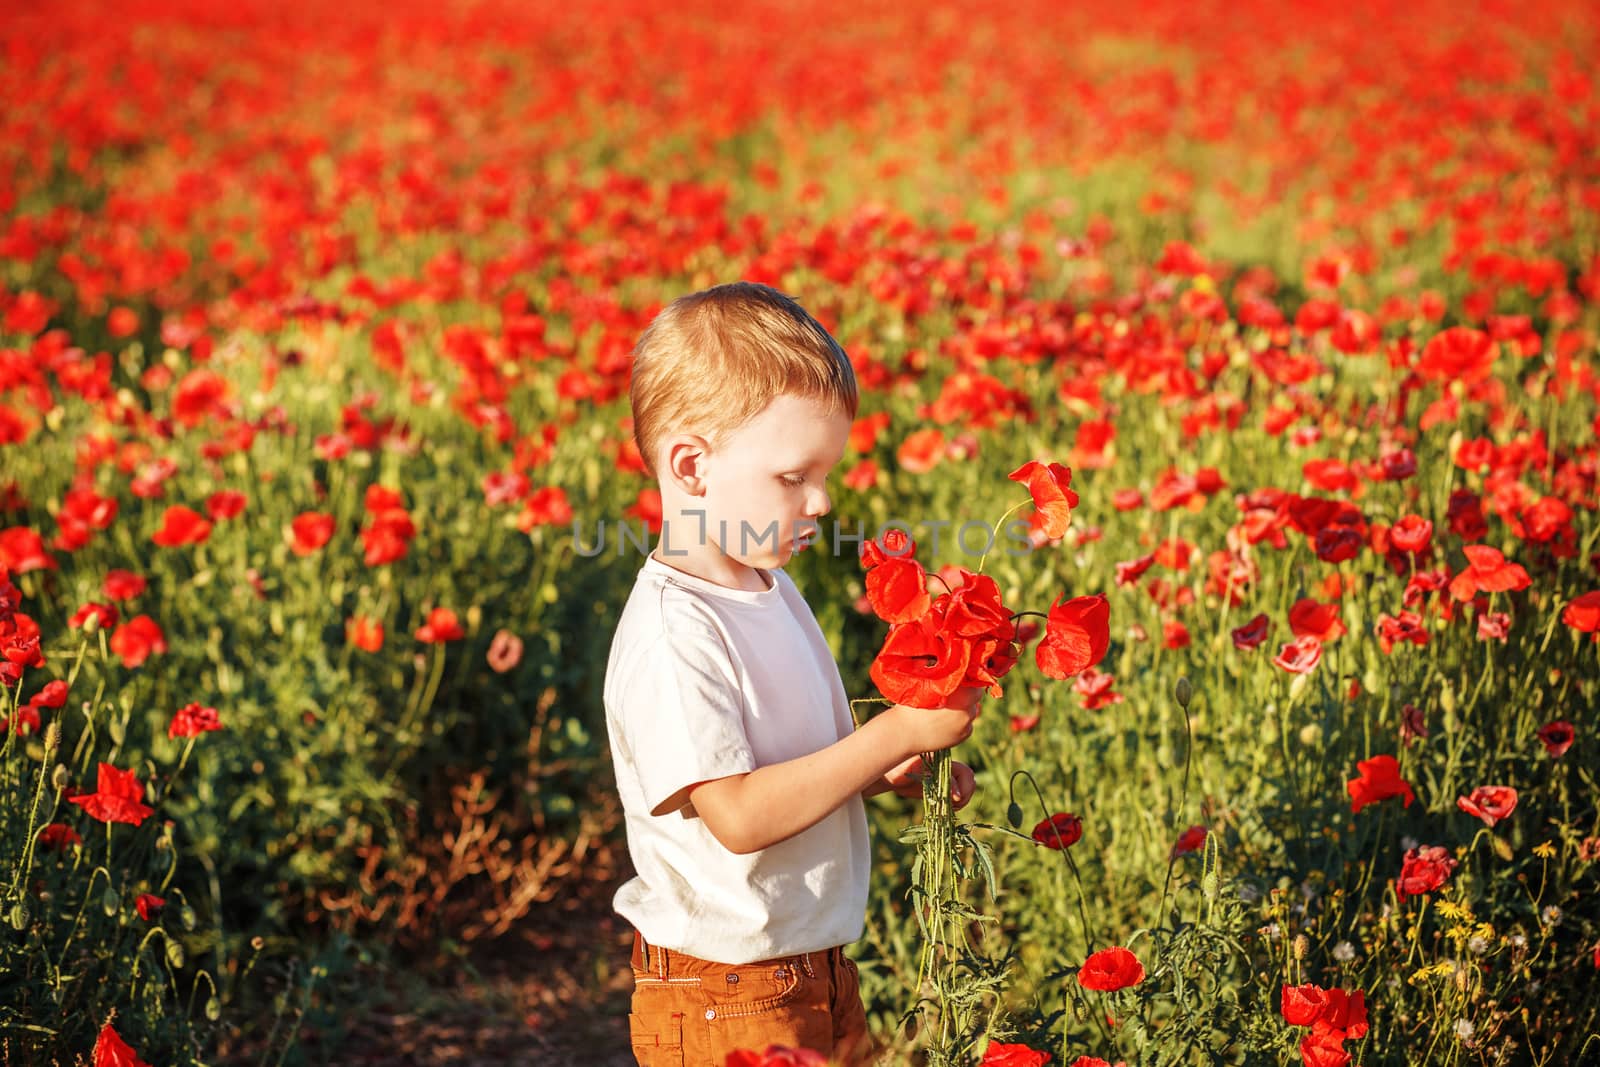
739,767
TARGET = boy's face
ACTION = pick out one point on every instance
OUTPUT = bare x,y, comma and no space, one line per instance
766,482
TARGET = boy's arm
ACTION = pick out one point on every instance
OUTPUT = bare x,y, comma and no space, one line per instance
753,811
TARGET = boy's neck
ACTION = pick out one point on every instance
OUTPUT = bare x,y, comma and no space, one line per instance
710,564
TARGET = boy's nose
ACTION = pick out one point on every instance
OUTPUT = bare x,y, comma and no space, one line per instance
819,504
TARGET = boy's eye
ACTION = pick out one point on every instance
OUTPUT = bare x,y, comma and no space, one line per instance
793,481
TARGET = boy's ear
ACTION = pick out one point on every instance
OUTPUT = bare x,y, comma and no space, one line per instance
686,462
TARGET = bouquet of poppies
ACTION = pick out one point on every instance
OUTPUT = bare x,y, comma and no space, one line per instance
952,630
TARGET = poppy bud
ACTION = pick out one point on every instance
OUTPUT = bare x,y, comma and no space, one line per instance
213,1009
118,731
1447,698
1183,691
60,777
91,624
1301,945
1014,815
174,954
111,902
52,737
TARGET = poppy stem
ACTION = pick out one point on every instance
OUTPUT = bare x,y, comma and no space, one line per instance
1035,614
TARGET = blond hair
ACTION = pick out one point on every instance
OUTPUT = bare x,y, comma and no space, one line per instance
713,360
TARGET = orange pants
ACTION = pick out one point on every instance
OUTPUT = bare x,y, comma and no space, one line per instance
690,1012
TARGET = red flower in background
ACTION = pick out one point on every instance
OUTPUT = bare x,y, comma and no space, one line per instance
441,626
999,1055
58,836
548,506
122,585
309,531
1458,354
1557,737
1423,870
776,1056
1491,803
182,525
1252,634
1583,613
148,905
364,632
191,720
1189,841
1059,831
1111,969
111,1051
1299,655
118,797
1378,779
1487,571
105,615
137,640
921,451
1411,534
22,550
224,505
1312,618
1050,486
1076,636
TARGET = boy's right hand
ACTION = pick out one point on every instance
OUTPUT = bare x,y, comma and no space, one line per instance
932,729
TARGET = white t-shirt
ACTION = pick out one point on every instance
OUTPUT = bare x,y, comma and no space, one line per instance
703,682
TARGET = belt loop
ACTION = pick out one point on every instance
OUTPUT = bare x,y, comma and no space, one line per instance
661,963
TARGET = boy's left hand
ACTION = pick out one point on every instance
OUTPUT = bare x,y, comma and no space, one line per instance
906,781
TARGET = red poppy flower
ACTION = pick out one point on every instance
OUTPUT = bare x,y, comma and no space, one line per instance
441,626
921,451
1583,613
1111,969
1050,486
182,526
1000,1055
1189,841
1458,354
191,720
387,537
137,640
895,543
1336,544
1323,1048
226,504
1252,634
111,1051
27,721
309,531
1487,571
1132,570
105,616
1076,635
1299,655
364,632
776,1056
1394,629
1411,534
1378,779
1491,803
1059,831
1557,737
122,585
1312,618
58,835
1423,870
22,550
647,509
148,905
118,797
51,695
897,589
920,663
1021,724
548,506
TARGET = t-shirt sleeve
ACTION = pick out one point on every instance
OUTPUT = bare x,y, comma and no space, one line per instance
683,712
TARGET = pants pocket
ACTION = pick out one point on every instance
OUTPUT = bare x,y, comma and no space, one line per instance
657,1038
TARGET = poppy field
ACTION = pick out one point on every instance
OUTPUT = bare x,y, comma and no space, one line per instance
1229,406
